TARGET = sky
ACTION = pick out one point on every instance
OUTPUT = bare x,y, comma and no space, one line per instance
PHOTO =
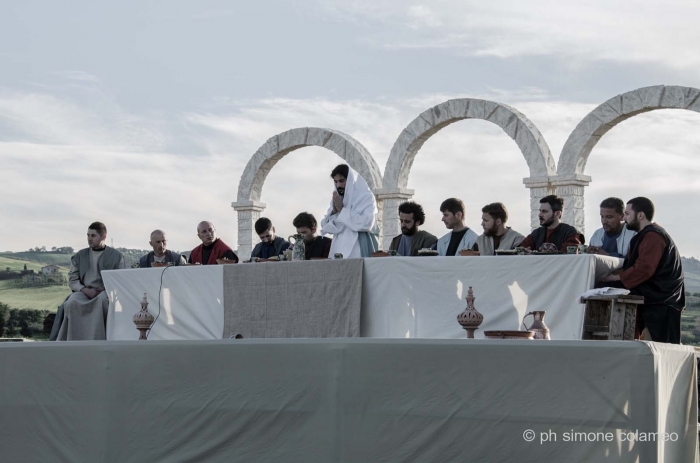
143,115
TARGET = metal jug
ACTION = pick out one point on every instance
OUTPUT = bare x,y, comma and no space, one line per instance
538,326
298,247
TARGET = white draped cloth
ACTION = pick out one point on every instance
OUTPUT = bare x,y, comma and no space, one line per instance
359,214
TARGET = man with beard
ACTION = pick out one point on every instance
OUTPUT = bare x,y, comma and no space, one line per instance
269,245
614,238
411,239
352,215
212,248
551,229
314,245
496,235
653,269
460,236
160,253
83,315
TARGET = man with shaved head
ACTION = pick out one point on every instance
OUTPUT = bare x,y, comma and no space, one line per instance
160,253
212,248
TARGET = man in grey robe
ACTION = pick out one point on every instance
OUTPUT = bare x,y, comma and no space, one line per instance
496,235
411,240
83,314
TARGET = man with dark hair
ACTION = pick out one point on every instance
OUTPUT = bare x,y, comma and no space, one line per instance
614,238
160,254
411,239
83,315
496,235
460,236
551,229
315,246
212,247
653,269
352,215
269,245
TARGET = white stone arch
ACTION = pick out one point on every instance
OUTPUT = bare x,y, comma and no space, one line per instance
248,205
518,127
571,181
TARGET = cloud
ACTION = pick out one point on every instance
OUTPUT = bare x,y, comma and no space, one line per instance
581,32
80,76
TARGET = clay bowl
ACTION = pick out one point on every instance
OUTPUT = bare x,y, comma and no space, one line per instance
468,252
225,261
507,334
159,264
380,254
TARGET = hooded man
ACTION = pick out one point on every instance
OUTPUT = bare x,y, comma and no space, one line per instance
352,215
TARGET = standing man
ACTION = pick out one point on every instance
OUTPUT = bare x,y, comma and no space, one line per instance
614,238
552,229
269,245
352,215
315,246
411,238
460,236
496,235
653,269
212,248
83,315
160,253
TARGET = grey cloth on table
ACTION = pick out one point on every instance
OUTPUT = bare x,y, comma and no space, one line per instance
312,299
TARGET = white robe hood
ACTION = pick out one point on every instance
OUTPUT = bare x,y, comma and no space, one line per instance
359,214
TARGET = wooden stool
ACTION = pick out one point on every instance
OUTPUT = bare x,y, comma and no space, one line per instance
610,317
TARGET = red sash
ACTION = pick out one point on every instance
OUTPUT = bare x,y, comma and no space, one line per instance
220,248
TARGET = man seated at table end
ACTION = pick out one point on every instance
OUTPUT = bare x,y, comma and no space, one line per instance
411,239
212,247
613,239
160,253
552,229
314,245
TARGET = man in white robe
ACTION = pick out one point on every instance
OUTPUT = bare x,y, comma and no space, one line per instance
352,215
83,315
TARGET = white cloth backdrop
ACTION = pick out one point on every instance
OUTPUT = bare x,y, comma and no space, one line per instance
416,297
191,302
420,297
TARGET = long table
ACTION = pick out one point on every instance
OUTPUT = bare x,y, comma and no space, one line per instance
351,400
395,297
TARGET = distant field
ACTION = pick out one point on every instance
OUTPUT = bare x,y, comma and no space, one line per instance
40,257
18,265
41,298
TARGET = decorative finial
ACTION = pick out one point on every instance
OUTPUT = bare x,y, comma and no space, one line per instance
143,319
470,319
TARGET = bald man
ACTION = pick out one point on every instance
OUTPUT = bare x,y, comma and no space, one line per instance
212,248
160,253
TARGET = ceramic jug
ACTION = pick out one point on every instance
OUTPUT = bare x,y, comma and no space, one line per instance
298,247
538,326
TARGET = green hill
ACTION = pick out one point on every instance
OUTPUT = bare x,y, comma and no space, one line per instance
41,257
18,265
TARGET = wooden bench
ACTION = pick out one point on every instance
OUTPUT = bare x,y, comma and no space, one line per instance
610,317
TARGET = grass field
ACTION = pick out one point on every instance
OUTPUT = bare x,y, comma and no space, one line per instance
41,298
18,265
43,258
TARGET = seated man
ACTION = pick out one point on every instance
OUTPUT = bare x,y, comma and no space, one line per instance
352,215
269,245
411,239
496,235
460,237
652,269
160,253
212,248
83,315
614,238
315,246
552,230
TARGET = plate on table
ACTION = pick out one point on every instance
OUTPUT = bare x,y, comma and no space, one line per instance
427,252
506,252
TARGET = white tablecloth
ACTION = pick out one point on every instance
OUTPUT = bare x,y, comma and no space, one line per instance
416,297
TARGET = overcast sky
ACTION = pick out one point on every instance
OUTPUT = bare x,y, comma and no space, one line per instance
143,114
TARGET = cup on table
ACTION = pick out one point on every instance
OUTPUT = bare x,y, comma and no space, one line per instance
582,249
572,249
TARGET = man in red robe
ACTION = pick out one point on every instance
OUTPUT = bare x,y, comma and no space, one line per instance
212,248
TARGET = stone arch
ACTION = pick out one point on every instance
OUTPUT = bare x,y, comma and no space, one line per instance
571,181
248,205
518,127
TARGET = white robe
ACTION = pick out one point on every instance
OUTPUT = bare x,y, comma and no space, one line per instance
359,214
